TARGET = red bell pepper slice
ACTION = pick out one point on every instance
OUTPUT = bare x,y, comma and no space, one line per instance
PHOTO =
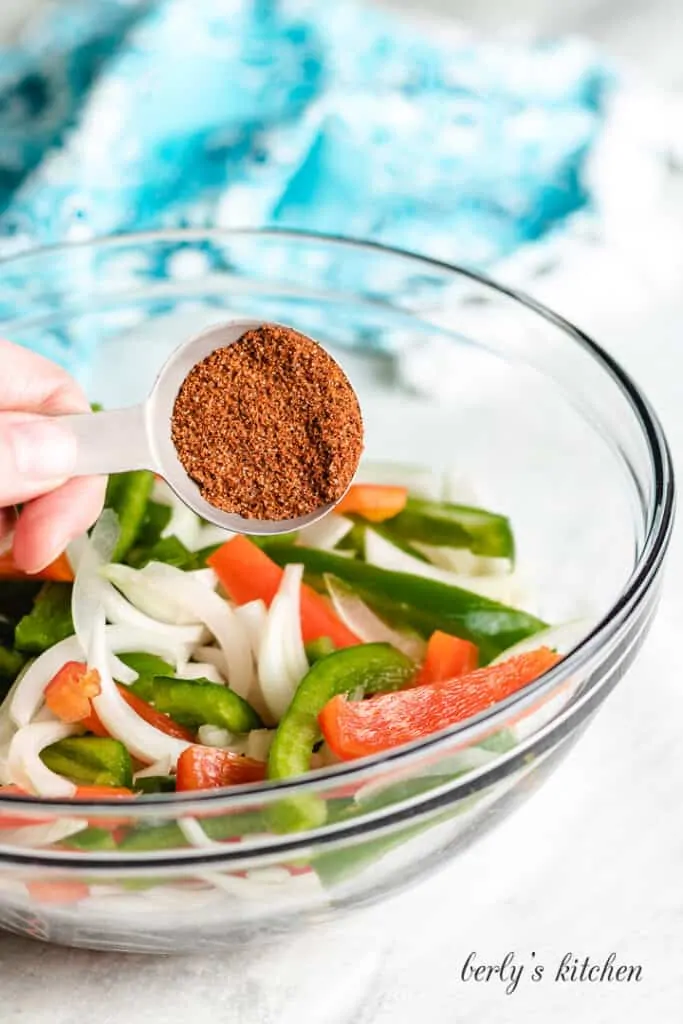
447,657
210,768
60,570
68,695
247,573
374,502
57,892
360,728
156,718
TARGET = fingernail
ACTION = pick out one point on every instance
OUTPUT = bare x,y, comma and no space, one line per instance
42,450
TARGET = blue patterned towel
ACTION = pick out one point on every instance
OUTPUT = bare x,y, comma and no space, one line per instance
119,115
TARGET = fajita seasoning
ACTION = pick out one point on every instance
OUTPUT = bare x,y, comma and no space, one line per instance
269,427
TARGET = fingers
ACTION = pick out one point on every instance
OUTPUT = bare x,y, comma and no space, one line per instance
31,383
47,524
8,518
36,456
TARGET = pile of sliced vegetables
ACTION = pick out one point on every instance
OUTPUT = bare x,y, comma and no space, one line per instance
159,654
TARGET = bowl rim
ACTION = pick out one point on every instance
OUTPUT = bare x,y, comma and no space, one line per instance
655,542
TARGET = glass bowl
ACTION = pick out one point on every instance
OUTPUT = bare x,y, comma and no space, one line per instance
453,373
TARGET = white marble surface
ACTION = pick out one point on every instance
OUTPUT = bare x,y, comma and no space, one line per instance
591,865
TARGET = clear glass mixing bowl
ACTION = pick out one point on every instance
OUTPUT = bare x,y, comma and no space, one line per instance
451,371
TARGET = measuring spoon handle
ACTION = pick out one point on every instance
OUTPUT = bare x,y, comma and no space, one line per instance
110,442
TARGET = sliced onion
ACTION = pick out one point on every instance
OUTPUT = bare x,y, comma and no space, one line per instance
206,576
214,736
259,742
211,535
122,613
200,670
253,616
38,836
157,768
421,481
162,493
195,834
140,738
28,694
24,763
216,614
385,555
282,660
86,598
462,561
211,656
147,591
185,525
367,626
326,533
562,638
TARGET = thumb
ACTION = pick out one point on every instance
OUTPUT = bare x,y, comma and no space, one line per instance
37,454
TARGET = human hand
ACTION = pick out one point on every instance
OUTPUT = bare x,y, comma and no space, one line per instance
37,457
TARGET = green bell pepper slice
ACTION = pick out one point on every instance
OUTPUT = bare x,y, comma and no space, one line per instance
154,522
11,663
200,702
368,668
91,760
128,495
147,667
156,784
320,648
425,605
168,550
443,524
48,622
90,839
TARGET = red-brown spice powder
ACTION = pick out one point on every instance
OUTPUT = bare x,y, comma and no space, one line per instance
269,427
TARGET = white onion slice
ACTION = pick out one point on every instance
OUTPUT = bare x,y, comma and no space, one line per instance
216,614
37,836
28,695
211,535
152,771
253,615
88,555
211,656
185,525
141,739
122,613
206,576
215,736
463,561
326,533
282,659
86,598
259,742
200,670
162,493
560,638
146,591
195,834
385,555
367,626
25,766
420,481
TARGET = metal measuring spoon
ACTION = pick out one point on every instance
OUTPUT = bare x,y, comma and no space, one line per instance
118,440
